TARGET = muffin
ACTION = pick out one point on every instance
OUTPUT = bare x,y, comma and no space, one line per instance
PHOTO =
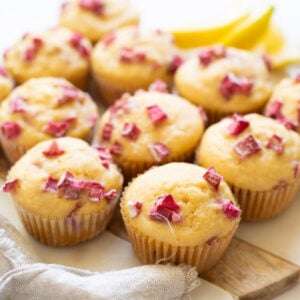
6,83
225,81
42,109
56,52
95,18
180,213
127,60
150,128
259,159
284,104
70,194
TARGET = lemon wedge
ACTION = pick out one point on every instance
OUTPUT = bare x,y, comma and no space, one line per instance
287,56
191,37
246,34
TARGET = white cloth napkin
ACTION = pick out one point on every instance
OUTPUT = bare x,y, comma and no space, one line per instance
24,277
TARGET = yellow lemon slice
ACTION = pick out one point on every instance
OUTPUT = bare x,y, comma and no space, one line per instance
287,56
191,37
246,34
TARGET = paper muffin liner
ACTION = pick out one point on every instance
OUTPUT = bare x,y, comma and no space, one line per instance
152,251
12,150
262,205
132,169
69,231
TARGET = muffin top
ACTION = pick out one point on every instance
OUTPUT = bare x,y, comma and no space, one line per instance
67,177
284,104
150,127
44,108
56,52
130,57
95,18
181,204
251,152
225,80
6,83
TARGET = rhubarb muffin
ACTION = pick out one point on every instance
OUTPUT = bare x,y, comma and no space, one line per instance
127,60
6,83
225,81
150,128
284,104
42,109
180,213
57,52
70,194
259,159
95,18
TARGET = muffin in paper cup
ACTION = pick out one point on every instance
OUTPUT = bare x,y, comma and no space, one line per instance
64,190
150,128
127,60
259,158
6,83
180,213
41,109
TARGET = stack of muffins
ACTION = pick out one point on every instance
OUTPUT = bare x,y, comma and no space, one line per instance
187,188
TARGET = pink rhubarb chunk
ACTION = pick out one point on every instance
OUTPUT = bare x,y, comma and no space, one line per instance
60,128
69,94
116,148
268,62
230,210
95,190
207,56
107,131
51,184
289,124
158,86
76,41
134,208
156,114
3,72
109,39
132,55
104,156
212,177
53,150
165,209
130,131
295,165
94,6
202,114
17,104
31,52
159,151
68,187
10,186
237,125
274,110
247,147
176,62
111,194
232,84
11,130
276,143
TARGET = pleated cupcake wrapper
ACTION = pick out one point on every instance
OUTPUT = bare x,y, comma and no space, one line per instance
132,169
69,231
262,205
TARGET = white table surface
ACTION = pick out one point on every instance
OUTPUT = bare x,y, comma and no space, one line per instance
280,236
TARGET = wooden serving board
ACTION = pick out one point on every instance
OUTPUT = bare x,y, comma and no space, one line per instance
245,271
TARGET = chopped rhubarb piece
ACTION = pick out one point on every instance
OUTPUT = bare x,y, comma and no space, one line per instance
3,72
11,130
94,6
58,129
232,84
268,62
134,208
95,190
121,105
159,151
69,187
109,39
107,131
111,194
31,51
274,110
158,86
132,55
130,131
230,210
297,78
51,184
295,165
69,93
276,143
116,148
104,156
237,125
247,147
156,114
53,150
175,63
202,114
212,240
93,119
208,55
10,186
289,124
76,41
165,208
212,177
16,105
